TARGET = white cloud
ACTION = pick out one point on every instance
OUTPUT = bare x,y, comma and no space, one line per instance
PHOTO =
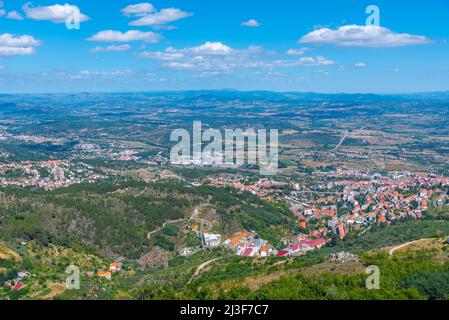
315,61
112,48
10,40
14,15
360,65
93,75
362,36
56,13
2,11
251,23
11,45
138,10
304,62
180,65
212,48
16,51
128,36
167,55
297,52
161,17
212,57
106,73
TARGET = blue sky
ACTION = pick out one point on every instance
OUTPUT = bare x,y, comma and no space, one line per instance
294,45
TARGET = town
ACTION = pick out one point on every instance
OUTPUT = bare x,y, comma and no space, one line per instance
323,212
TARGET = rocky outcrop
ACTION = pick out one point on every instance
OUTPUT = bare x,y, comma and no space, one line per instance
156,258
343,257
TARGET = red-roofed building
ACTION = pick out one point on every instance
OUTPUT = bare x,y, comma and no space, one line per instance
248,252
283,253
18,286
316,243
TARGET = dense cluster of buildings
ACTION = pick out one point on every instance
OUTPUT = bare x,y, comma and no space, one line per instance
107,274
40,139
337,203
302,247
367,199
260,187
248,244
49,175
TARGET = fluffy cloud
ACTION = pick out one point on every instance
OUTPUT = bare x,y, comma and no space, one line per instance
251,23
14,15
56,13
360,65
138,10
2,11
210,56
207,49
161,17
362,36
10,40
112,48
218,57
16,51
11,45
212,48
128,36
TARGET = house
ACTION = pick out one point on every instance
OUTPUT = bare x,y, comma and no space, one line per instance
315,233
315,243
283,253
116,266
22,275
18,286
341,231
211,240
104,274
249,252
309,212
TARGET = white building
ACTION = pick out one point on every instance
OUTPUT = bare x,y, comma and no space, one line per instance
211,240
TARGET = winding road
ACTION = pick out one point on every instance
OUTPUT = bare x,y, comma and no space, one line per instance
192,217
393,250
201,267
163,226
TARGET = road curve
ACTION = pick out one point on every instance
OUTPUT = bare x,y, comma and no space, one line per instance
393,250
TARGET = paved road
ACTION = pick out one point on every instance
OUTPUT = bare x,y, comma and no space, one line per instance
341,142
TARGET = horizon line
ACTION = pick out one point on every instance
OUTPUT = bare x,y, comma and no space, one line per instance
225,90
